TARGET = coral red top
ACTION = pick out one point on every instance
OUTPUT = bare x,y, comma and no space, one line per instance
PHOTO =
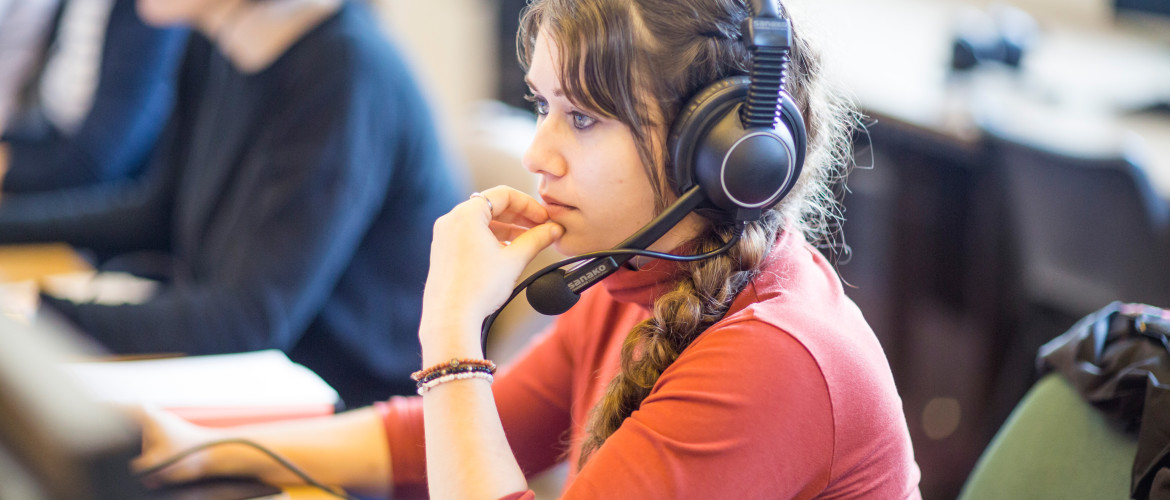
788,396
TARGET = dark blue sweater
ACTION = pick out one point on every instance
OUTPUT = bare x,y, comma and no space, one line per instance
135,91
296,205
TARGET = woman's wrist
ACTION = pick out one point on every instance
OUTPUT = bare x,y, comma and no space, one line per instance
216,460
239,460
450,337
439,354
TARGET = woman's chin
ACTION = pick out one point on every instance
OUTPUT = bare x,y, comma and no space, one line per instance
564,248
570,244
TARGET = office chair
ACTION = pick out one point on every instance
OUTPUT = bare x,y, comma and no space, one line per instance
1081,228
1054,446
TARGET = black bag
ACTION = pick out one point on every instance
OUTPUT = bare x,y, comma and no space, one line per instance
1118,358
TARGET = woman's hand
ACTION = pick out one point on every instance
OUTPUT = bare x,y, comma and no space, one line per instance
164,436
477,254
348,450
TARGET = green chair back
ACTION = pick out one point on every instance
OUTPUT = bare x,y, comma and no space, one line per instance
1054,446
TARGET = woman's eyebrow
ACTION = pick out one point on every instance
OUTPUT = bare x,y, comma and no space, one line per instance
556,92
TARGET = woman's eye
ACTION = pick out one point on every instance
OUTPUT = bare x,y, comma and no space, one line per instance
538,104
582,121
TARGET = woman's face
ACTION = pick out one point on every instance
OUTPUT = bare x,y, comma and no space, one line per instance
592,180
171,12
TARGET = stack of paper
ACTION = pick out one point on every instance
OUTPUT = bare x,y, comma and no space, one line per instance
219,390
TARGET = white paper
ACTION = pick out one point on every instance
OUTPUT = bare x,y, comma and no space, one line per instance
253,379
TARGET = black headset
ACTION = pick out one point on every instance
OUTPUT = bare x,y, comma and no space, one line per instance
742,139
736,149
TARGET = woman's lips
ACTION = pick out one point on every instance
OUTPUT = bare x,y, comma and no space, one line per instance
555,207
557,211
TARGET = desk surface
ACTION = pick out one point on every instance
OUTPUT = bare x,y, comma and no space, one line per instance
35,261
23,269
894,57
223,488
305,493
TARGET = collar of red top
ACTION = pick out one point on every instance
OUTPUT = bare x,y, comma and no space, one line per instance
644,285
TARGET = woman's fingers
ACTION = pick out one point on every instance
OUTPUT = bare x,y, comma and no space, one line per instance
473,265
512,206
506,232
164,436
531,242
521,220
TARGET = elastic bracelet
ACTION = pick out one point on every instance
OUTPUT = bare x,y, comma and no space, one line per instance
452,364
423,388
448,371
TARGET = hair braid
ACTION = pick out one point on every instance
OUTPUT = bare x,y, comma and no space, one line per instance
697,302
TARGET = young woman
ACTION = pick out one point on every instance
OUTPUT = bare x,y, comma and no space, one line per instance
748,375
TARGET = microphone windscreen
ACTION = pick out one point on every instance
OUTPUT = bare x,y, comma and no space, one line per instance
550,294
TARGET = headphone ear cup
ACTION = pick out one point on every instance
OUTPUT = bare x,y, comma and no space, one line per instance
695,118
741,172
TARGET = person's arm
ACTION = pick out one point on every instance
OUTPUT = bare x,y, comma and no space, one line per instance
346,450
132,101
299,209
533,394
472,271
109,218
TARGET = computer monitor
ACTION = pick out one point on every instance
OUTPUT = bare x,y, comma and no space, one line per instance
55,442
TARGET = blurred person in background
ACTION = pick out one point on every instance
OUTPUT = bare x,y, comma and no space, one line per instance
289,204
91,88
24,26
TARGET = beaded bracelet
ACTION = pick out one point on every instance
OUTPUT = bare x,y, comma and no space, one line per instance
453,364
431,384
442,372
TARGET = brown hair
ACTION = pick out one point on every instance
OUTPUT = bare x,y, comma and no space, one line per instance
615,53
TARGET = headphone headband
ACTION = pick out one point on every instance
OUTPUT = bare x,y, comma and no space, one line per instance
769,39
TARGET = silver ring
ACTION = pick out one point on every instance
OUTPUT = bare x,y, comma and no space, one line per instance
480,195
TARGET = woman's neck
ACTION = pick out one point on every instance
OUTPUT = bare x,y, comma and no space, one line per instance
253,34
686,230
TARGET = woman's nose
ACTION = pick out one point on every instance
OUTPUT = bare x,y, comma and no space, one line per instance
545,155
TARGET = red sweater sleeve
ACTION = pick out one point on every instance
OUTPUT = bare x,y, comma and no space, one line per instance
533,398
698,434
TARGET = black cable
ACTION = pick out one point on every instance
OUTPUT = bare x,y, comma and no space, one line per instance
487,322
304,476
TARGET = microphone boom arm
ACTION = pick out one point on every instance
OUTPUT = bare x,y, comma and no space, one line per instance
585,275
